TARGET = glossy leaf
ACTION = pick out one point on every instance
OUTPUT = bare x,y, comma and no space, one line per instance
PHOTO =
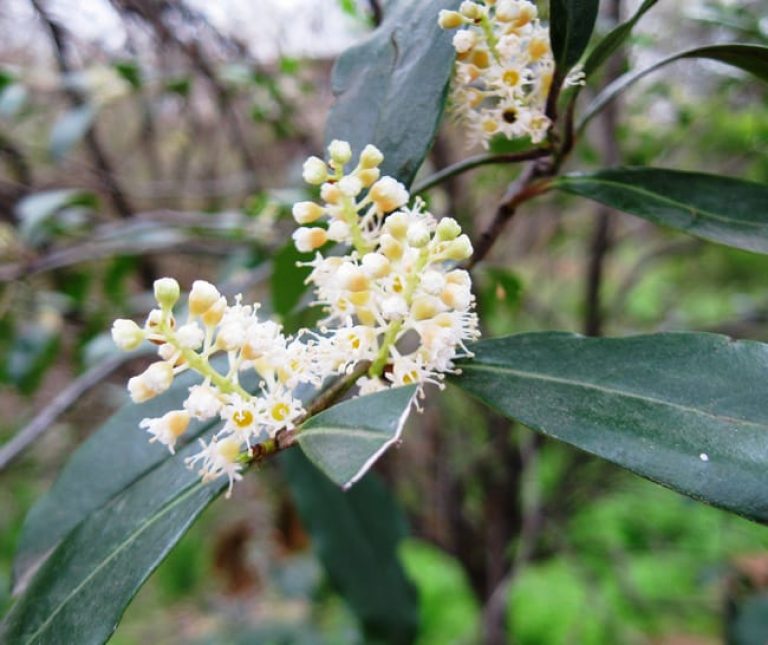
346,440
614,39
83,588
69,130
685,410
356,535
390,89
749,58
571,23
722,209
111,460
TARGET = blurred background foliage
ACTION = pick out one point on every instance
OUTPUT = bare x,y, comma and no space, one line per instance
139,139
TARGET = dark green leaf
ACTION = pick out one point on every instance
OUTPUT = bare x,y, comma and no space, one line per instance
81,591
287,284
685,410
614,39
69,130
390,89
571,23
356,535
750,58
346,440
111,460
34,349
722,209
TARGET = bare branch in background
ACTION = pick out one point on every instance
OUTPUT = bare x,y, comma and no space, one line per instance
64,400
98,155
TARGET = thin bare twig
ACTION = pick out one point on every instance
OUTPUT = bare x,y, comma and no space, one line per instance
475,162
64,400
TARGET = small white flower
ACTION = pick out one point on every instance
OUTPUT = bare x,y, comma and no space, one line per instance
394,308
350,186
168,428
202,402
190,335
388,194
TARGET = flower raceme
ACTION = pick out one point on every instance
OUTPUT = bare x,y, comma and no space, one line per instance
504,70
395,300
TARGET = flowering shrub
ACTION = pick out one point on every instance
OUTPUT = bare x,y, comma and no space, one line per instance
398,277
395,284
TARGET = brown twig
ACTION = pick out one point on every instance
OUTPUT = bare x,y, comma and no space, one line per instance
287,437
532,182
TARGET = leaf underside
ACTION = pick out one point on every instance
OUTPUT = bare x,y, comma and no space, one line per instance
726,210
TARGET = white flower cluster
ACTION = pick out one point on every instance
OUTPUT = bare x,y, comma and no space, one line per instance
504,69
394,300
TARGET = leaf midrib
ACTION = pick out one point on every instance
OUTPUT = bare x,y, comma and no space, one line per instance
161,513
657,196
607,390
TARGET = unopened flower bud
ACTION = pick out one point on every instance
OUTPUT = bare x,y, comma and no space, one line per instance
215,313
167,292
425,307
330,193
368,176
450,19
460,249
307,212
456,296
127,334
338,231
315,171
350,186
202,296
352,278
340,152
448,229
464,41
370,157
388,194
471,10
390,247
376,265
309,239
418,235
156,379
397,225
190,336
433,282
394,307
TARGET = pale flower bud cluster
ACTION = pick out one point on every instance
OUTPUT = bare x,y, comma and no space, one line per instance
504,70
395,300
397,292
216,326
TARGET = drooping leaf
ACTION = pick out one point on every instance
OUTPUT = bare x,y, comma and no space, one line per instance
111,460
356,535
37,212
346,440
722,209
69,130
614,39
80,593
749,58
390,89
685,410
571,23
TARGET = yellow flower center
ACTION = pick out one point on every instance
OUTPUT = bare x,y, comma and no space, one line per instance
243,418
279,411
